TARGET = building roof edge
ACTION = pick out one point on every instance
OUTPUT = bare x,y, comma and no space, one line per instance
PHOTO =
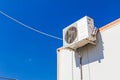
109,25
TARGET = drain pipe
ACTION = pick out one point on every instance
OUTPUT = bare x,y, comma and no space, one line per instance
81,71
78,51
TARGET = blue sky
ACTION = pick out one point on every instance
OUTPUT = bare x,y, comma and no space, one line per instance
27,55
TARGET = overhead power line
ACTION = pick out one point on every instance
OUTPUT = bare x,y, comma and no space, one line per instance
29,27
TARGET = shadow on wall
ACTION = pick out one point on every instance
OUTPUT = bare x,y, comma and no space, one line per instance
91,53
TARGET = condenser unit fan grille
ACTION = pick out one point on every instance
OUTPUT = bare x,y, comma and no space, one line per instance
71,35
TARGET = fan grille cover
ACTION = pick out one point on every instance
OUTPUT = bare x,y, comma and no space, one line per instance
71,35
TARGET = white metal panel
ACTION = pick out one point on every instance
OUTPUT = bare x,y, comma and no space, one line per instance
76,67
68,65
65,64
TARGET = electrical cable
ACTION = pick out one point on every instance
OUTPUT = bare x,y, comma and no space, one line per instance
88,63
81,63
81,71
72,67
29,27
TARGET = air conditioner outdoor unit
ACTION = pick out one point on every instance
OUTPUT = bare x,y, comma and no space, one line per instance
79,33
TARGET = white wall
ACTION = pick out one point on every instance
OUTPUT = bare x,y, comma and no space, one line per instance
101,62
68,65
65,65
110,65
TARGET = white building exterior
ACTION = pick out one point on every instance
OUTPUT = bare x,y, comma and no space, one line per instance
100,62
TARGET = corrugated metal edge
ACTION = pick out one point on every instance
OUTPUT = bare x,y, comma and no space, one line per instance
58,67
58,62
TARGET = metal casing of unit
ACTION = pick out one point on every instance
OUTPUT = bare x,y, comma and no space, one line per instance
79,33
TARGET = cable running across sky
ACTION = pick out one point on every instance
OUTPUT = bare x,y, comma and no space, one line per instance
31,28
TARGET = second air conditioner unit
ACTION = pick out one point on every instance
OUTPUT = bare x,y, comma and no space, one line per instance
79,33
